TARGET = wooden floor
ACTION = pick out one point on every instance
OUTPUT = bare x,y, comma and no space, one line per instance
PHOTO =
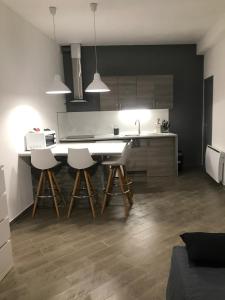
110,258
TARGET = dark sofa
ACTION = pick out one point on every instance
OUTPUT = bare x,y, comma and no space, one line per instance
189,282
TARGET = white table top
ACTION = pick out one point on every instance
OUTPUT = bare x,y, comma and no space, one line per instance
109,148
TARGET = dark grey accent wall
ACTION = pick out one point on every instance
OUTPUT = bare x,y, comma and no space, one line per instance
179,60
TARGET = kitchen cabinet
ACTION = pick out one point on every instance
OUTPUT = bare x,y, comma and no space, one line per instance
127,92
155,156
162,157
145,92
132,92
163,91
109,101
6,261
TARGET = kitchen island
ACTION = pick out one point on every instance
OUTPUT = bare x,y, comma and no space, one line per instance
153,153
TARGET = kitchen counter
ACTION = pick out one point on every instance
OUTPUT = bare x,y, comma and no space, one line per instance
122,136
94,148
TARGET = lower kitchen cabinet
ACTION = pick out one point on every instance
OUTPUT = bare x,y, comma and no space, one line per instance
155,156
6,260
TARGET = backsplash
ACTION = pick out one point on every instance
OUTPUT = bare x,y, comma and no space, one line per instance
103,122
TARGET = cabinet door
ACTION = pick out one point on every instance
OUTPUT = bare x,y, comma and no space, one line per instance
2,180
109,100
163,91
4,232
127,91
3,207
161,157
6,261
145,92
137,160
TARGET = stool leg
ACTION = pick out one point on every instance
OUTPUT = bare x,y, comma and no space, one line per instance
89,193
125,196
38,193
58,189
90,182
43,182
49,172
108,186
130,194
75,187
114,172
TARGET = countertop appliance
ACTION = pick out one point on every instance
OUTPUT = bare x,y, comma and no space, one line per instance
40,139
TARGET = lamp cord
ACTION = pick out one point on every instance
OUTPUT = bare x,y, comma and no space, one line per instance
96,57
53,21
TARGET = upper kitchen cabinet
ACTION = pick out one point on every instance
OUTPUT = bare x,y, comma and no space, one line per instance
145,92
127,91
163,91
132,92
109,100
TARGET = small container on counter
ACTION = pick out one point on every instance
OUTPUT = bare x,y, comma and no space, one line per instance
116,130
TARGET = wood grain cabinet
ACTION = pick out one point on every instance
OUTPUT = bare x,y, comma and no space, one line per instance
145,92
163,91
6,261
162,157
131,92
127,92
109,100
155,156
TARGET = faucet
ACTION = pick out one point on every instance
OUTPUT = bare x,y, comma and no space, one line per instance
139,126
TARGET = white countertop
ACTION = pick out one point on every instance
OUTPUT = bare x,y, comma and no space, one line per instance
110,148
122,136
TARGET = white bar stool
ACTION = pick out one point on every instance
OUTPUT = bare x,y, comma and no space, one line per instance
44,160
117,167
81,160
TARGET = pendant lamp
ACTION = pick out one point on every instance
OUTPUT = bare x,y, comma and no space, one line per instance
97,85
57,86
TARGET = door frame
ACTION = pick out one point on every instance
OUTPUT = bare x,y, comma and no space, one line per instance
203,115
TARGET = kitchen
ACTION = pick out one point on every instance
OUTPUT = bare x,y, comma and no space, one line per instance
155,101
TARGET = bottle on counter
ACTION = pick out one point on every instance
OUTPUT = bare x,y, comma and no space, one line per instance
158,126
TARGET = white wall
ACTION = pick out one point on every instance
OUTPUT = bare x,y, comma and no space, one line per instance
214,65
28,62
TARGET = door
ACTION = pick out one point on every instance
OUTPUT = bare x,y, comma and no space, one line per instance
207,116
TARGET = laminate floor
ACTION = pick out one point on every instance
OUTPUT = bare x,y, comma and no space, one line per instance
111,258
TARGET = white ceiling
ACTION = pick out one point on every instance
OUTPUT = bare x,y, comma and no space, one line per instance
123,21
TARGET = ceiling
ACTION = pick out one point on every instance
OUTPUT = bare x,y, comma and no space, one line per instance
122,22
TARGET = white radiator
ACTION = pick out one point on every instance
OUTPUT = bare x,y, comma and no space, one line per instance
214,164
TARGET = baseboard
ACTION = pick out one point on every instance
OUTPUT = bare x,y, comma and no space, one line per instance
23,213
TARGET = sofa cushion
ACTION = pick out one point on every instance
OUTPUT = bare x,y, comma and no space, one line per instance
205,249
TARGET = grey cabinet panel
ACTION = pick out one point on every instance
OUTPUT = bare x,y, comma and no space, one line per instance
109,100
163,91
127,91
162,157
156,156
137,160
143,91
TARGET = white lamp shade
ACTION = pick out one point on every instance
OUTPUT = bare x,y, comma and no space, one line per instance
57,87
97,85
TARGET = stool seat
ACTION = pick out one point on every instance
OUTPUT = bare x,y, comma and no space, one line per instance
43,159
112,161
